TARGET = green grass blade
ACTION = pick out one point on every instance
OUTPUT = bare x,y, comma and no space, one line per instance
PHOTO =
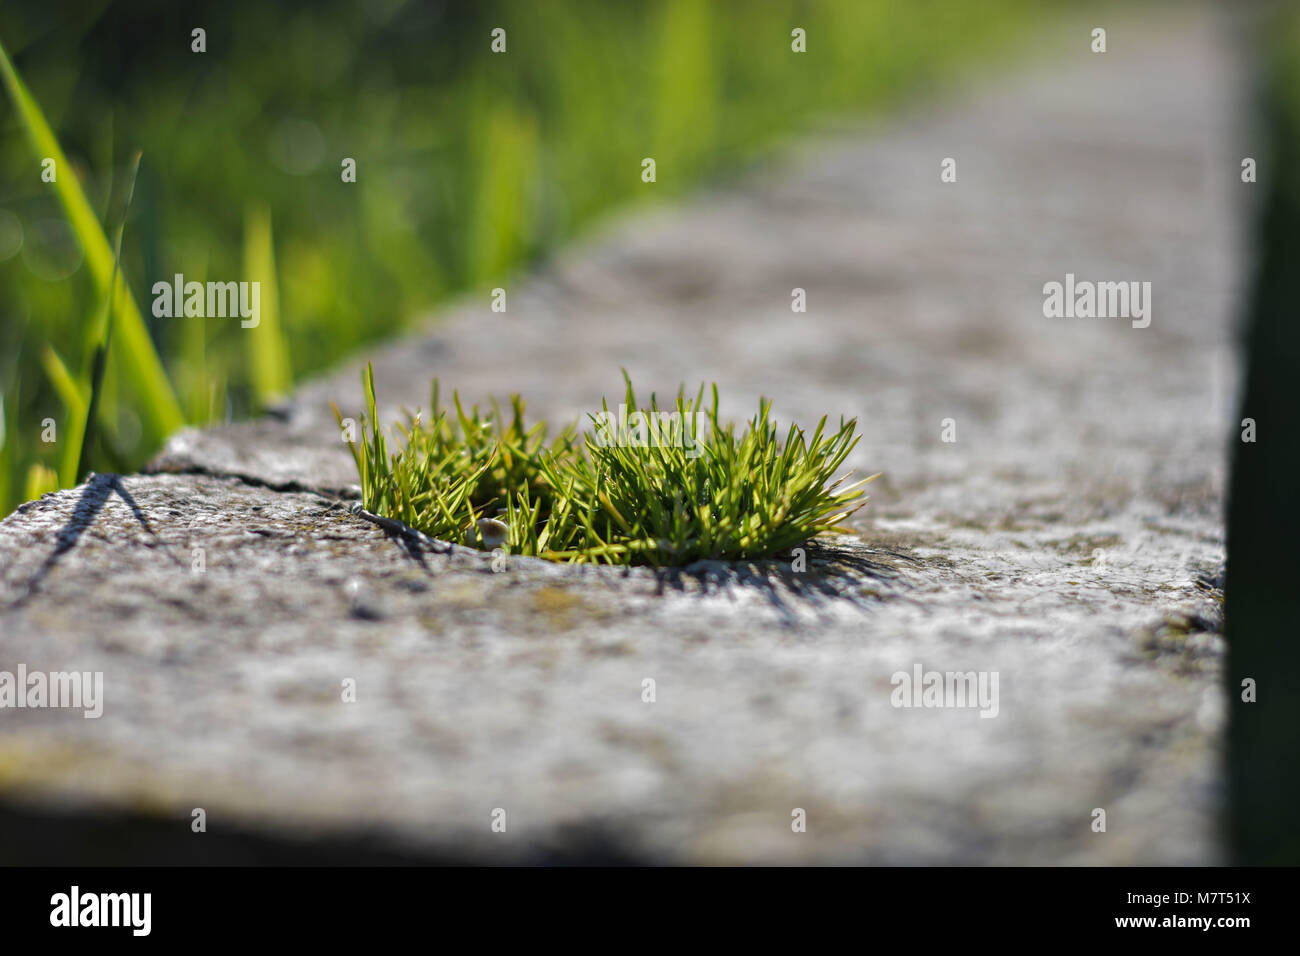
74,400
100,359
268,354
159,411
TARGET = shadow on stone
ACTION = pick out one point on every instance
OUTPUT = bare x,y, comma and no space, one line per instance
828,573
93,496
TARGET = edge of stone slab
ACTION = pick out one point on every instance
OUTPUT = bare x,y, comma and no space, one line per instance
241,451
838,566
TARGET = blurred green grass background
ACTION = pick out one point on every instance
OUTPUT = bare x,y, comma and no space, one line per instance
469,165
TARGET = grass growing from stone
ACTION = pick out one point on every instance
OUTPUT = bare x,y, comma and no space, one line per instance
643,485
470,165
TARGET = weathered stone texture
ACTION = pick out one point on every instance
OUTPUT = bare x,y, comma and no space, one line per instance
1070,539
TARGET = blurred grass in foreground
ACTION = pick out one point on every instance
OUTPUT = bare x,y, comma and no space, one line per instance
1262,612
469,165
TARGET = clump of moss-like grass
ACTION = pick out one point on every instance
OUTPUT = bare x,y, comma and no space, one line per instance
685,487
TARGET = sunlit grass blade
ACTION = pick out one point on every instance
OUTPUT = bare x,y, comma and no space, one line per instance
8,453
41,479
159,411
267,353
100,359
73,395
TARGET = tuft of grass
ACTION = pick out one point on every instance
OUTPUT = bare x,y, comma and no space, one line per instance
677,486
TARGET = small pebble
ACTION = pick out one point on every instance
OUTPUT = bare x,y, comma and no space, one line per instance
491,533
